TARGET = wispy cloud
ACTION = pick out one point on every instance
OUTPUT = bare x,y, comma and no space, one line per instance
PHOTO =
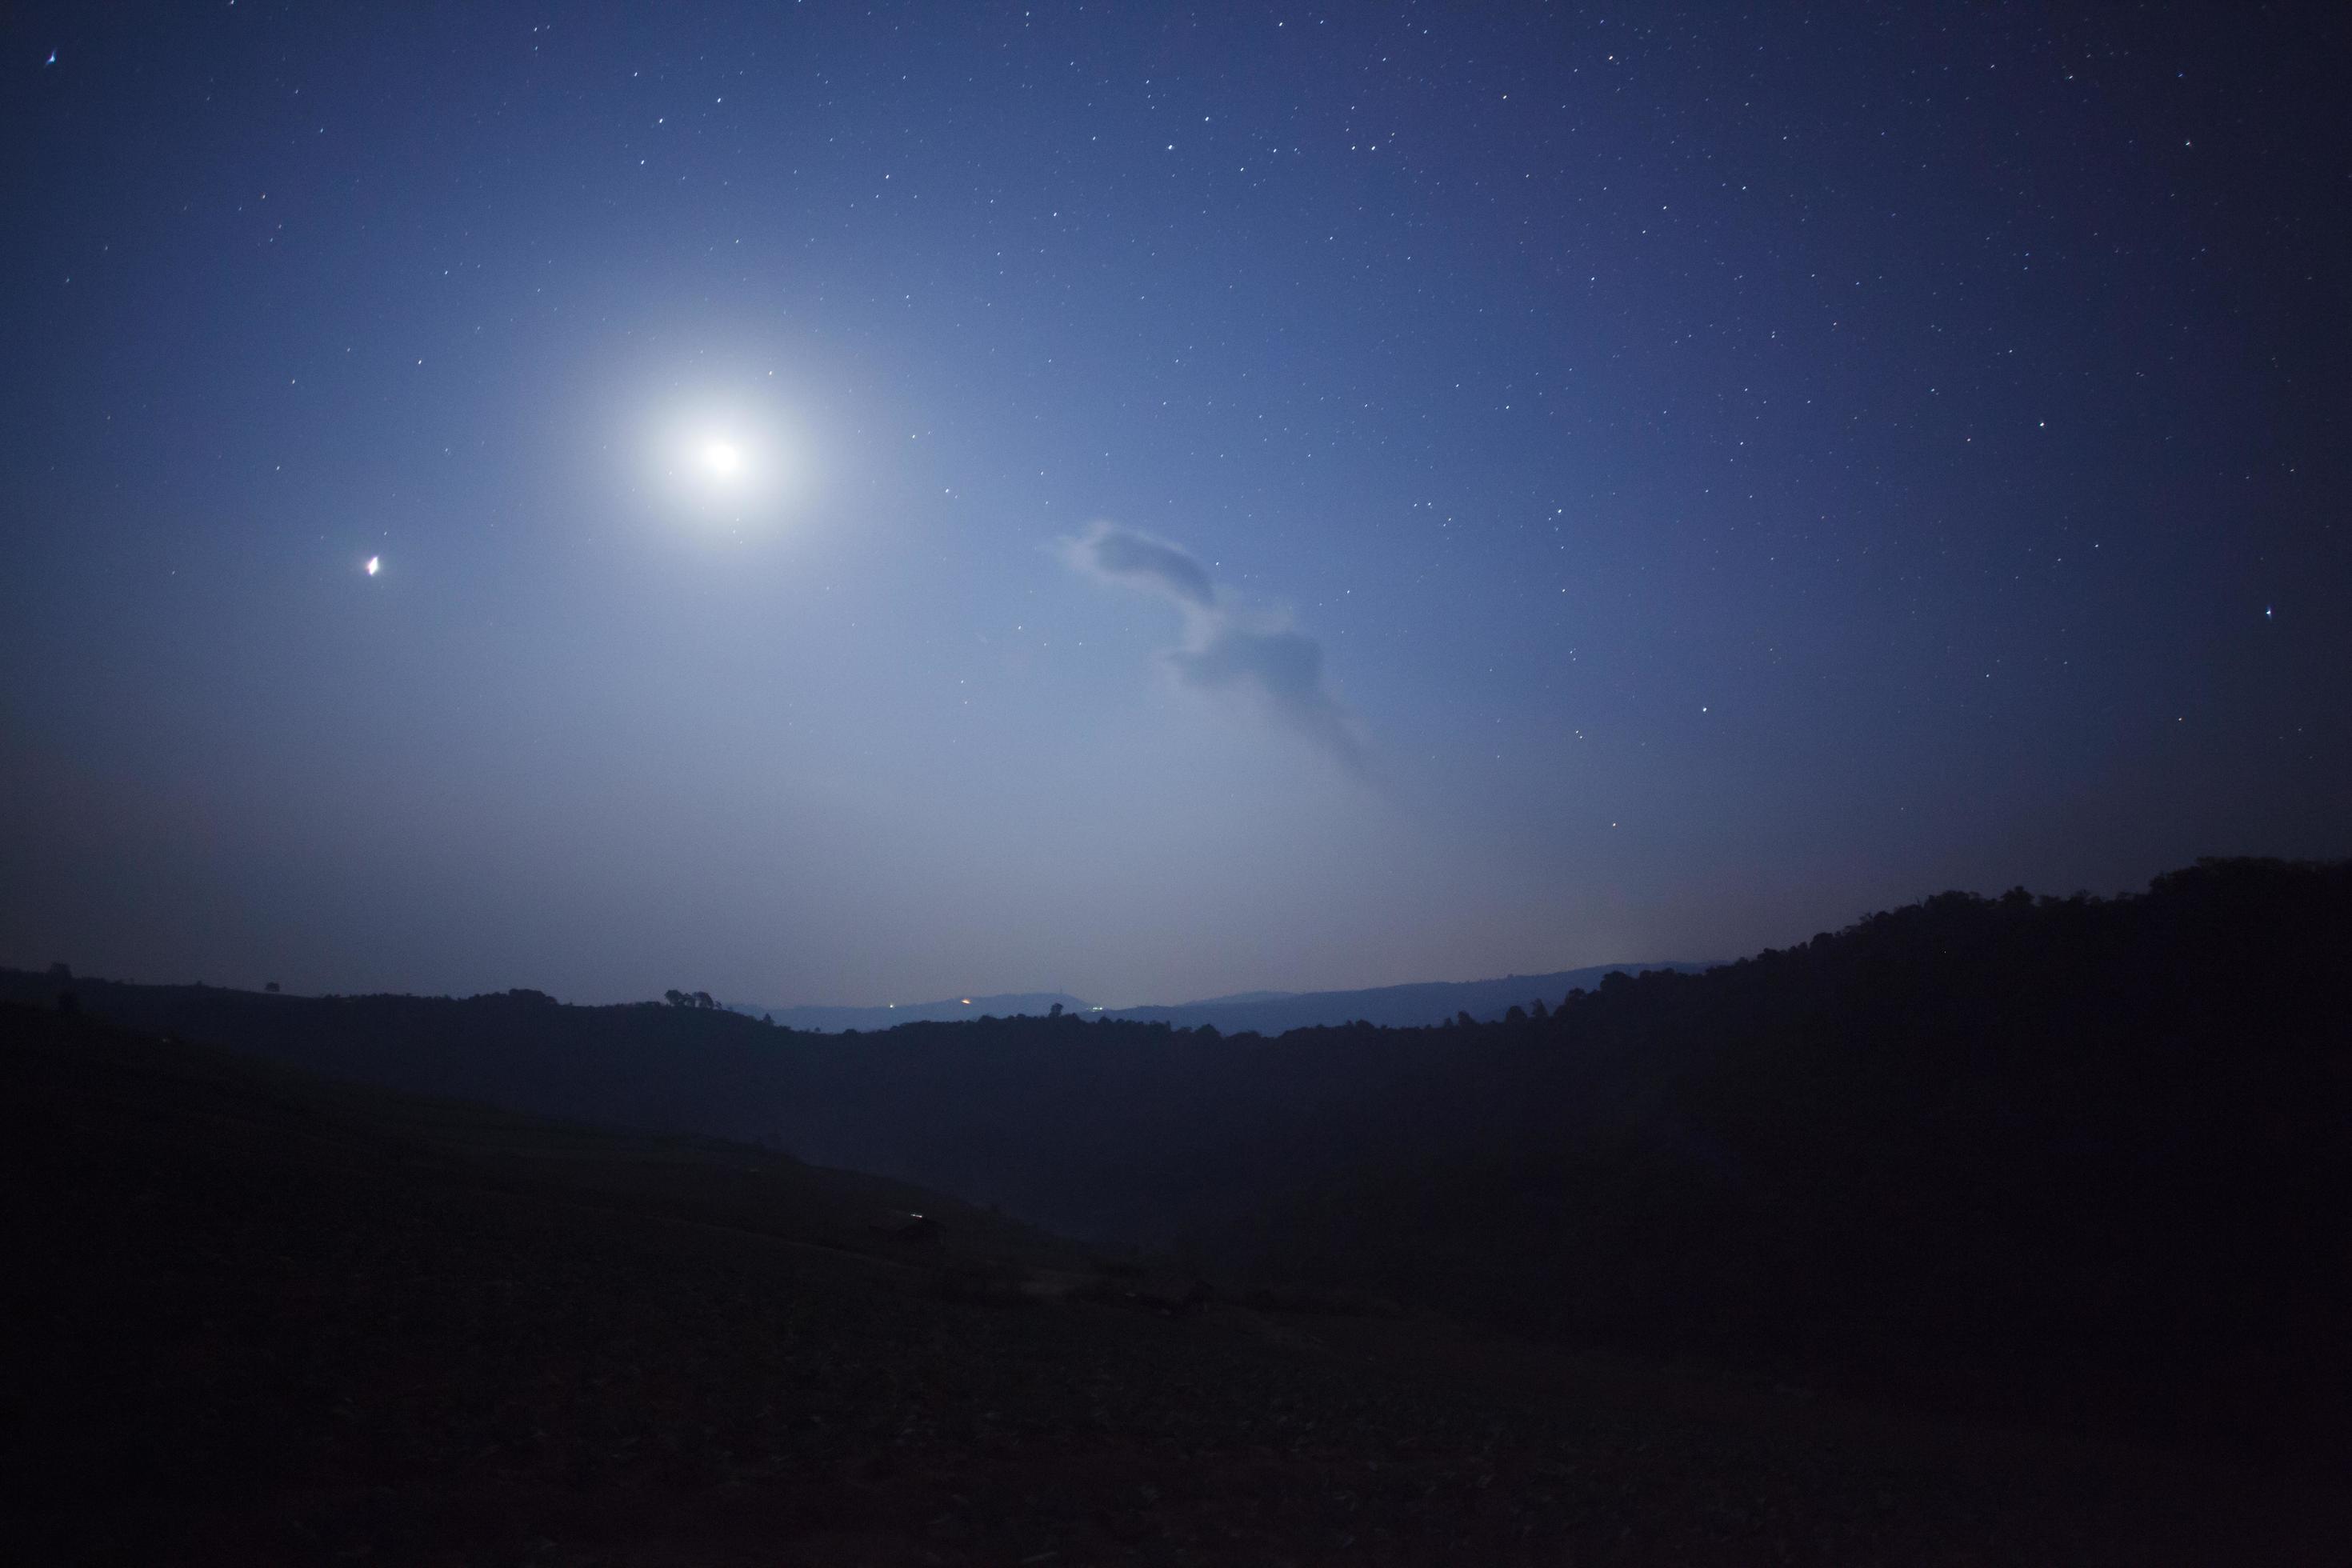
1258,660
1123,555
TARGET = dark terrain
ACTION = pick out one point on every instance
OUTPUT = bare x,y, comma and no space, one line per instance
1263,1012
1775,1259
256,1316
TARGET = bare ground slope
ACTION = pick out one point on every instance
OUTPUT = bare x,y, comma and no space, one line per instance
254,1317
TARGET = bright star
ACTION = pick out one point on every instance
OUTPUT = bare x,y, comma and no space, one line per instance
373,563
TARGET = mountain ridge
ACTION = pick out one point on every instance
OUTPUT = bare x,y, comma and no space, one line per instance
830,1020
1415,1005
1412,1005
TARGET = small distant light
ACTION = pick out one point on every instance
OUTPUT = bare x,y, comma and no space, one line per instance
967,1001
375,563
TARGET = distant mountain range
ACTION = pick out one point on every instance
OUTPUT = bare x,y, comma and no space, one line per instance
1266,1012
834,1020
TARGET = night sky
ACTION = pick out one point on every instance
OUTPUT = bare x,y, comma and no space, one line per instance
881,503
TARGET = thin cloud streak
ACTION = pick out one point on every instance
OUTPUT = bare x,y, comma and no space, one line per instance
1261,661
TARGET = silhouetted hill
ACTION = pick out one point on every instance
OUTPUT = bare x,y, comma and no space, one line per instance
249,1317
1417,1005
835,1020
1239,996
1420,1006
2084,1157
2083,1160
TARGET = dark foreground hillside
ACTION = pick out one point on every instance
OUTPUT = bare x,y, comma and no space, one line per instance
249,1317
2083,1163
2086,1161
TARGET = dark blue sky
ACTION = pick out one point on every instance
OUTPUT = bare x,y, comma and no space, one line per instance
877,503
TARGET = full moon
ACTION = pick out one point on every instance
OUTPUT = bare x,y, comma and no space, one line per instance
722,462
722,458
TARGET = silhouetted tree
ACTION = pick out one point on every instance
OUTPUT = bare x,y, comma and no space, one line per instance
674,998
702,999
1056,1012
1537,1011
